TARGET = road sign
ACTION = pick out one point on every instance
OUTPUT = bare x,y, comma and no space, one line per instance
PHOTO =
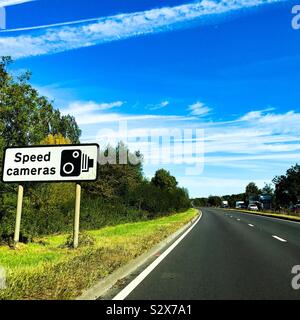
61,163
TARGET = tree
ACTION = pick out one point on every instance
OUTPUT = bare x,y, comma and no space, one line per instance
287,187
268,189
117,181
200,202
26,117
56,139
214,201
164,180
252,191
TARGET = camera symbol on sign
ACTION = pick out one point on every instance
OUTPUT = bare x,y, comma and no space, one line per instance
74,162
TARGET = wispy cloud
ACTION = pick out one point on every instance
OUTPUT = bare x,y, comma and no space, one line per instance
49,40
256,136
91,112
159,106
199,109
7,3
79,108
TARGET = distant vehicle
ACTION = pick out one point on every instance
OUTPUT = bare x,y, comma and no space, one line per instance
253,207
225,204
240,205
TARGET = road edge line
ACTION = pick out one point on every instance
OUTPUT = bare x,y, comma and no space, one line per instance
123,294
107,283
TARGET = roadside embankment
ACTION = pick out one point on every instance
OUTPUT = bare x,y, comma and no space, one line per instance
49,270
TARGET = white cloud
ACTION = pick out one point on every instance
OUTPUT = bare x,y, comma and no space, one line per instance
253,115
79,108
49,40
161,105
267,136
265,143
259,134
199,109
90,112
117,117
6,3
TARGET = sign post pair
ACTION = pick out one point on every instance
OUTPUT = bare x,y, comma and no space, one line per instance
59,163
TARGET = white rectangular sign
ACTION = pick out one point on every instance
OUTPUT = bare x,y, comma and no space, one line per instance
51,163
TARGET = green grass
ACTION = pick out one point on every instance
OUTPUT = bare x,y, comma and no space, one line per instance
45,270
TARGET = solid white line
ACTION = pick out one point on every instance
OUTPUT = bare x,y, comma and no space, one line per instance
132,285
280,239
250,225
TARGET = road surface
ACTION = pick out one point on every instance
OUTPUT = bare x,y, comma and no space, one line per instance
228,255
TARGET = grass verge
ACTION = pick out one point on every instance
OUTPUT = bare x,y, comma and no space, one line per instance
275,215
46,270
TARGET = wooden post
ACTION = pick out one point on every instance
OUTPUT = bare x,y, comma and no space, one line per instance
19,214
77,216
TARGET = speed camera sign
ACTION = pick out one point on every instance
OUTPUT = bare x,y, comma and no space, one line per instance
51,163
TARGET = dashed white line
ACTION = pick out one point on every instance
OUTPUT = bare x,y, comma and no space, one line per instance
251,225
238,219
280,239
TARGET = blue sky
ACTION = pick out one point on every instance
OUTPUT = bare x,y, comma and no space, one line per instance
229,68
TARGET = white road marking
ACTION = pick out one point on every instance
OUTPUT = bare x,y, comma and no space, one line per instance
238,219
280,239
269,217
132,285
250,225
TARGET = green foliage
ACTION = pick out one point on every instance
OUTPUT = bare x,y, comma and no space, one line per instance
164,180
200,202
116,180
252,191
214,201
268,189
287,187
234,198
120,195
26,118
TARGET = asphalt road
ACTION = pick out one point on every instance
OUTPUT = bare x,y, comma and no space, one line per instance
228,255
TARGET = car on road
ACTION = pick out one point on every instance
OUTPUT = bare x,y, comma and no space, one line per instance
253,207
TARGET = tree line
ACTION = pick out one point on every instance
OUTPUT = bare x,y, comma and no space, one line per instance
121,193
283,192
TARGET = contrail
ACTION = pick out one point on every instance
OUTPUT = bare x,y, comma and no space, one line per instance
85,33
